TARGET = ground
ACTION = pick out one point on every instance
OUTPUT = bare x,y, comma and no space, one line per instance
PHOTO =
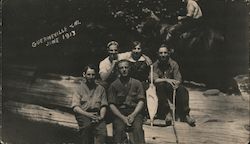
221,119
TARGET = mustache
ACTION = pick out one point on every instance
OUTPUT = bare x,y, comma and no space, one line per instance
164,56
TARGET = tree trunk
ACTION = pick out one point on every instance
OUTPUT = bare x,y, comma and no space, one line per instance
41,114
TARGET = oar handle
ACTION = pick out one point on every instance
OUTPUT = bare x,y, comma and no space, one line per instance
151,74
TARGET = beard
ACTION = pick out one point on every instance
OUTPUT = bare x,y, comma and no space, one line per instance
163,58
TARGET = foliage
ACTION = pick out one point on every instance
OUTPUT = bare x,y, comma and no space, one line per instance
133,13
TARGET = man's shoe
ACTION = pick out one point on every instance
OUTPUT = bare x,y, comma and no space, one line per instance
168,119
190,121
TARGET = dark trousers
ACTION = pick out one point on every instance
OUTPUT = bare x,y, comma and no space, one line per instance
182,27
164,91
91,133
136,133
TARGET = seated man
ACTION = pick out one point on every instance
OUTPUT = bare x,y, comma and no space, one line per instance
139,62
107,70
89,103
167,77
126,99
188,22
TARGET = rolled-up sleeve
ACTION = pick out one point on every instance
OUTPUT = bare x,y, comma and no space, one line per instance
155,72
190,9
76,99
102,67
104,101
176,72
155,75
141,92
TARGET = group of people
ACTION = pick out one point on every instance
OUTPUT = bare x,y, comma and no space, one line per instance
124,78
121,90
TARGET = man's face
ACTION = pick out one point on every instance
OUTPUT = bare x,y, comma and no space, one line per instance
163,54
136,52
90,75
123,69
113,52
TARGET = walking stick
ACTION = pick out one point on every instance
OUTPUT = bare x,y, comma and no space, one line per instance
175,132
173,115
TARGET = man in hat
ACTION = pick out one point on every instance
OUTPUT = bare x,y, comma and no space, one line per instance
107,68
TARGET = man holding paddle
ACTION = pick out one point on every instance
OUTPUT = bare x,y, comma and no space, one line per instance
167,79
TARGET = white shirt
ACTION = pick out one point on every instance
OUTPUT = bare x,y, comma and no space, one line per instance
128,56
106,64
193,10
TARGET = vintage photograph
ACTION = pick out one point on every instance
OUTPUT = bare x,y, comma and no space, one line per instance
125,71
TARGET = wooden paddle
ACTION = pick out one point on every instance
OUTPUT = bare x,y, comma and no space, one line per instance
152,99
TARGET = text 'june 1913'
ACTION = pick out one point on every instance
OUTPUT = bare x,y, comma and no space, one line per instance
64,33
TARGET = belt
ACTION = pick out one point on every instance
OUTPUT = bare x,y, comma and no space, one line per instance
93,110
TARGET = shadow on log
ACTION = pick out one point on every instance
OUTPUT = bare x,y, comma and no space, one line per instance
40,114
38,105
50,90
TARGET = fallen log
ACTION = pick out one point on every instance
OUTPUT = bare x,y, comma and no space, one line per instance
46,90
41,114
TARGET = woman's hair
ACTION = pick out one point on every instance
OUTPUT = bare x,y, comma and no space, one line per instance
134,44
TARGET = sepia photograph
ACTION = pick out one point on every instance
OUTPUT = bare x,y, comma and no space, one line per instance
125,72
